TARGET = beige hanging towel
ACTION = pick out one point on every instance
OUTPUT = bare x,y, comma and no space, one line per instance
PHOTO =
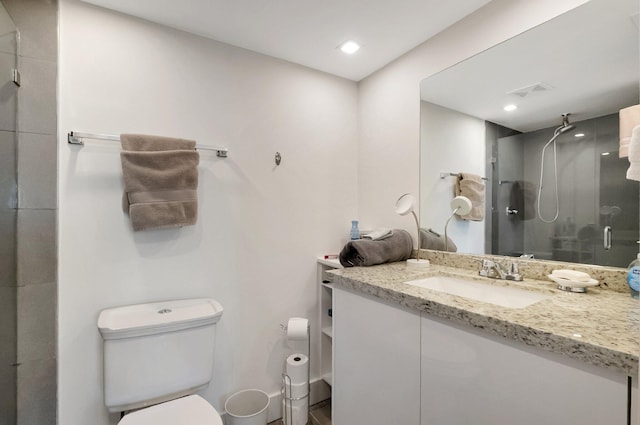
471,186
160,181
629,118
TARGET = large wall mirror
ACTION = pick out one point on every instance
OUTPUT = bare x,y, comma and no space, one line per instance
584,63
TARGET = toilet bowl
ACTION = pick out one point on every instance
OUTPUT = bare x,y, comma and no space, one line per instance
190,410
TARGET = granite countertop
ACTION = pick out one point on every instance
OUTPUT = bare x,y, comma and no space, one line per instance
601,327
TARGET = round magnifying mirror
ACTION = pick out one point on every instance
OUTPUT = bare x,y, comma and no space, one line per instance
461,205
405,204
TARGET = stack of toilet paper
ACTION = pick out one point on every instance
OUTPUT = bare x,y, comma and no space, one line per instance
295,402
295,394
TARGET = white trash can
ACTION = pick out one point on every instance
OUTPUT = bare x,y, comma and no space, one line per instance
248,407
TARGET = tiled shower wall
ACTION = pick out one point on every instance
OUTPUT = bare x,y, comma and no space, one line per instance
35,280
8,220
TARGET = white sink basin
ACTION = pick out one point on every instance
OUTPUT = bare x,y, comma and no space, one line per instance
479,291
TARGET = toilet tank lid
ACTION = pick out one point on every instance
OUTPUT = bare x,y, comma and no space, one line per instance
164,316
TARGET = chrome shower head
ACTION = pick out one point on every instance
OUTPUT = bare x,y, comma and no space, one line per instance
566,125
565,128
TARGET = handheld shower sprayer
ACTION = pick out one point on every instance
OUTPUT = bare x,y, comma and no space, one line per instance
564,127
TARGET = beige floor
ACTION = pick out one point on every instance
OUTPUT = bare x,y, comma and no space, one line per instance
319,414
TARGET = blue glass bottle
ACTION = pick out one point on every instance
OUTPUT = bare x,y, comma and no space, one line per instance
633,277
355,232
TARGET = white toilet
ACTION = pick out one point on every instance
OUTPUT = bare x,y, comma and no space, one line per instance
156,356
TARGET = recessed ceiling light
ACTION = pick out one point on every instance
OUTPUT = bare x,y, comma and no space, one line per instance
510,108
605,153
579,135
349,47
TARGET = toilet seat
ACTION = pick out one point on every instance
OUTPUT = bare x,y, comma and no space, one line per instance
190,410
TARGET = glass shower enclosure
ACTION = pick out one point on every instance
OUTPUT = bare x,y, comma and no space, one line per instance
597,206
9,38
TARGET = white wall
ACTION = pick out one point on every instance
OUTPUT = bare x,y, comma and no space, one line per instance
451,142
389,101
260,227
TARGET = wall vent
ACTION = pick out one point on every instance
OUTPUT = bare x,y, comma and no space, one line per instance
531,89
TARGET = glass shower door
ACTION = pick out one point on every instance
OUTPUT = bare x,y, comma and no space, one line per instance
597,207
618,210
8,213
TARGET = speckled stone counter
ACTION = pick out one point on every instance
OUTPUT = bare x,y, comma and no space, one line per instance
601,327
614,278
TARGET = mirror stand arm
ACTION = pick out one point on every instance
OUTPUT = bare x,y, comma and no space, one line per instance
446,236
415,217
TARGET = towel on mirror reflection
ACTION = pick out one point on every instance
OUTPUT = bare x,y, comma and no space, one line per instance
471,186
633,173
430,239
363,252
629,118
529,199
516,200
160,181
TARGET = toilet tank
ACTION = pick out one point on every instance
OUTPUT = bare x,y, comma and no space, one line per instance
157,351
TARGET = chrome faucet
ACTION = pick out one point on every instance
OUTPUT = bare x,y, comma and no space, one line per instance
494,270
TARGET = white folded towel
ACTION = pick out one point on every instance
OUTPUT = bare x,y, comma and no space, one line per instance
633,173
629,118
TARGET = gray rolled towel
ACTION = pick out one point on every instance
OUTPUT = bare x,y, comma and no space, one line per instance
363,252
433,240
529,195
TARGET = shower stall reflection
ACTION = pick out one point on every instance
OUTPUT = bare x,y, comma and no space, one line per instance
597,207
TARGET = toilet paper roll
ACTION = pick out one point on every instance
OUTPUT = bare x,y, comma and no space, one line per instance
296,390
297,328
295,412
297,368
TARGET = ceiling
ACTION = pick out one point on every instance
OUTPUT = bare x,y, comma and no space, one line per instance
308,32
587,59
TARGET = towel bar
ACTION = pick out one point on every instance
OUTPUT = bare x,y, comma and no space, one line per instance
76,138
445,175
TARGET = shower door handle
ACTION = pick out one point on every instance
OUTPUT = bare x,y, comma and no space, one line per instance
607,238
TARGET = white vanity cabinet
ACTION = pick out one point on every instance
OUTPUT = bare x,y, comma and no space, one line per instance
472,377
376,362
395,366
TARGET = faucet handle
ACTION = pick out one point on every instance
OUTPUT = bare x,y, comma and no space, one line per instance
487,264
488,267
514,272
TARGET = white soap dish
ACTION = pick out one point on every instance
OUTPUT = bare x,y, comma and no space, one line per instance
572,285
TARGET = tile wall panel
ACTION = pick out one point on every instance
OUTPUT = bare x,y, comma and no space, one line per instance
35,197
36,164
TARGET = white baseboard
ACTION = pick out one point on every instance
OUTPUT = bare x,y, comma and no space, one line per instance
320,391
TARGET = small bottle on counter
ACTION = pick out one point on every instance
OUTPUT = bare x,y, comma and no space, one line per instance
355,232
633,277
